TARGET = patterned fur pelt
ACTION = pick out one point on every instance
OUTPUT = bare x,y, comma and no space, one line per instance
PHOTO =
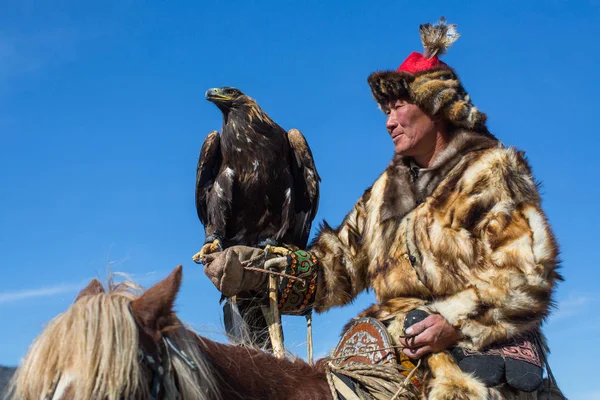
466,238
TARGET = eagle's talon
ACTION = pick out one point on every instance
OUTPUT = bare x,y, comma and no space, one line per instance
214,247
198,258
280,251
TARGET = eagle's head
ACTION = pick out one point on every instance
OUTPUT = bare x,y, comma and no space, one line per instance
227,98
240,110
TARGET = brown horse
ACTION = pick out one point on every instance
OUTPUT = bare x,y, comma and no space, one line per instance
120,344
117,344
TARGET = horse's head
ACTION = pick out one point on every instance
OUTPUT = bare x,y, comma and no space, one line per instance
114,344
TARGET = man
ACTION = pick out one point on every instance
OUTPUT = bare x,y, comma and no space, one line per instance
453,227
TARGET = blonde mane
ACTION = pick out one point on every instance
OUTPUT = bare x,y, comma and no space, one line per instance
96,342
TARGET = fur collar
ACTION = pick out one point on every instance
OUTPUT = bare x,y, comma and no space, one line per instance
403,192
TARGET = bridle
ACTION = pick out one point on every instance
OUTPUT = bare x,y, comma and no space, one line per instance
153,362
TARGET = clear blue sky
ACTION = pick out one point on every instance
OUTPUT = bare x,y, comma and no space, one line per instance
102,115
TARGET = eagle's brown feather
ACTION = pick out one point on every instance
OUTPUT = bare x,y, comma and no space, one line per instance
207,169
306,179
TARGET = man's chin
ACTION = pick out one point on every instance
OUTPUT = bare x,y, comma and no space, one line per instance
402,151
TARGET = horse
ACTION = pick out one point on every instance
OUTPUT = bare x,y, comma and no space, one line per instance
122,343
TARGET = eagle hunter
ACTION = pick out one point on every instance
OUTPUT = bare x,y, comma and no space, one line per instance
256,185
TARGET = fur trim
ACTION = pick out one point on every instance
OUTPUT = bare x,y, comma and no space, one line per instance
387,86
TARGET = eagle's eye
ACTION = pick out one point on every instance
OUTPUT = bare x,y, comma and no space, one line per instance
230,92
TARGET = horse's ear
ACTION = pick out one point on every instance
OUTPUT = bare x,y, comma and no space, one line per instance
94,287
156,303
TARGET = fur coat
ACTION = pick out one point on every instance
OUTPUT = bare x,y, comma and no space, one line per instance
465,238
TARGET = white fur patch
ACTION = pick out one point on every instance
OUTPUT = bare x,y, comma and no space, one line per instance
483,168
459,385
458,242
519,300
502,207
542,245
255,164
457,307
520,246
343,235
229,172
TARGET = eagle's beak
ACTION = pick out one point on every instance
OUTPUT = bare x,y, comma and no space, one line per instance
216,94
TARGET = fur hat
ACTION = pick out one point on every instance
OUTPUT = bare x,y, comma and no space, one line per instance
428,81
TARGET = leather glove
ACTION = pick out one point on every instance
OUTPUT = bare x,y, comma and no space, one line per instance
226,270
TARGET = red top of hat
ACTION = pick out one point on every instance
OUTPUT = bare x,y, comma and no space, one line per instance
417,62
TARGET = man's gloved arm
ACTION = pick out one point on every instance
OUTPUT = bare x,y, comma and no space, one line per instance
226,270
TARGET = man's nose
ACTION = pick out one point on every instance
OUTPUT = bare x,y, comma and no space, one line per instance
391,123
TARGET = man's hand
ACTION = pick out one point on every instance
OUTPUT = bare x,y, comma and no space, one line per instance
226,270
431,335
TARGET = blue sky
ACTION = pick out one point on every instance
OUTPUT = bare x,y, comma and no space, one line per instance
102,115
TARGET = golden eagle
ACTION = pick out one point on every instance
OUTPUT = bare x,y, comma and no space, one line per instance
256,185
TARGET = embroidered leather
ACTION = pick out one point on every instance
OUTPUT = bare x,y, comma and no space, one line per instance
366,341
296,296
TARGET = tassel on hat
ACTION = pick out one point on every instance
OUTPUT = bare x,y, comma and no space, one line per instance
438,38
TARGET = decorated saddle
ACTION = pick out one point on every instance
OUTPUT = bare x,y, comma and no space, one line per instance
365,365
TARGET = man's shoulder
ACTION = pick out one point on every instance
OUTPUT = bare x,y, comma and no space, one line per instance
499,160
497,171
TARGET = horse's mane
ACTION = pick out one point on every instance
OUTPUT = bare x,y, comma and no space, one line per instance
96,341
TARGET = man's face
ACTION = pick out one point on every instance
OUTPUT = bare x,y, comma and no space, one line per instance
412,130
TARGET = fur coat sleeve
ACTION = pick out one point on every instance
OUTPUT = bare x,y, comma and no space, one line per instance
343,259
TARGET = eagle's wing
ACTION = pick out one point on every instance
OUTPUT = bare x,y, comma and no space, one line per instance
209,164
306,186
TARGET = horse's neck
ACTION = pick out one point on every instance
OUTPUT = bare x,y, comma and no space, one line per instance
244,373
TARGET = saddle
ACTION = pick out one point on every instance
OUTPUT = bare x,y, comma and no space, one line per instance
366,359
